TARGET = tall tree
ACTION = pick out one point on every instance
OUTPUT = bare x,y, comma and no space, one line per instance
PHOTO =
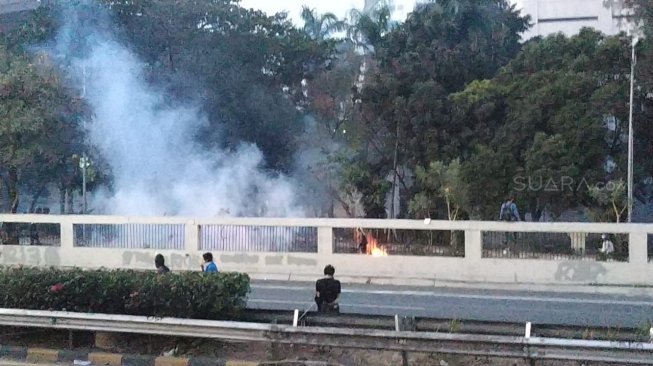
436,52
39,130
562,112
320,26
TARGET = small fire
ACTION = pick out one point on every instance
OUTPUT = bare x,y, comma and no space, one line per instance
373,247
379,252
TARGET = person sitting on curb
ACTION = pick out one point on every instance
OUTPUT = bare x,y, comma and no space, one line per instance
327,292
159,262
208,265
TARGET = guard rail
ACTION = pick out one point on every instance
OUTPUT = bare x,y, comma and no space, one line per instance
424,324
530,348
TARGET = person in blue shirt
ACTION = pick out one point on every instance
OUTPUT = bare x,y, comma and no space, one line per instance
209,265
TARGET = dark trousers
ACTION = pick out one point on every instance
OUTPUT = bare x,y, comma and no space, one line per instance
324,307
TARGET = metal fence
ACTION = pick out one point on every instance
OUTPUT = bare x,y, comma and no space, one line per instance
129,236
280,239
446,243
21,233
553,246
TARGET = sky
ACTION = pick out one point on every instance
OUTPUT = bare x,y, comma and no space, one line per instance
340,8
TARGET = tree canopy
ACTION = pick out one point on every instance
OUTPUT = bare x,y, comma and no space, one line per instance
442,115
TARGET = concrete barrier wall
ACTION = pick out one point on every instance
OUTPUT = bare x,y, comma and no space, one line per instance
392,269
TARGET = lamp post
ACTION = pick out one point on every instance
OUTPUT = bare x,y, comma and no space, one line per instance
630,130
84,161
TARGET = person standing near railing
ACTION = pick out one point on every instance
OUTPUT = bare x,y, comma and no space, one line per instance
362,241
607,247
509,213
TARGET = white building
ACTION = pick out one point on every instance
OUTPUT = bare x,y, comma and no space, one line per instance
569,16
399,8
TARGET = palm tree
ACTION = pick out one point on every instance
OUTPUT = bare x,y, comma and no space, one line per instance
319,27
367,29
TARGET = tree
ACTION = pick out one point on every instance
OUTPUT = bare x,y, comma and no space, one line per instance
366,30
440,182
319,27
244,66
611,201
39,129
436,52
562,103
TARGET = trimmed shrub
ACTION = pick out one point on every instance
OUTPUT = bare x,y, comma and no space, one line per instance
197,295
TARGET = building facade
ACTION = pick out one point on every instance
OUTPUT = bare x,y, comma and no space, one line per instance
399,9
569,16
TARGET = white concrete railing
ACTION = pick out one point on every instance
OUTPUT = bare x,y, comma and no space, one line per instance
415,270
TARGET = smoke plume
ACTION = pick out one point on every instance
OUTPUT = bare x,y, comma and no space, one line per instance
157,166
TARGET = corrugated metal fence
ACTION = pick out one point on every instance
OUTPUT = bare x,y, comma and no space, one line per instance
212,237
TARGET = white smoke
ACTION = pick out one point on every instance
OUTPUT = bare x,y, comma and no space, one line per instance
157,167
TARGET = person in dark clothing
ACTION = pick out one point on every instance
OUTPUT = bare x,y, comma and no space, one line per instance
327,292
509,213
159,262
34,231
362,243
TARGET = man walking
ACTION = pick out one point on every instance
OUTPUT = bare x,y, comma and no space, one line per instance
509,211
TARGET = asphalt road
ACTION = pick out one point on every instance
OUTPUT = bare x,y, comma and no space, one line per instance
556,308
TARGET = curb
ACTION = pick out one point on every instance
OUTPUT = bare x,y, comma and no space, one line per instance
50,356
41,355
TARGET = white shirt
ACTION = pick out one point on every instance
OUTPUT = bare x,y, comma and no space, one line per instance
607,247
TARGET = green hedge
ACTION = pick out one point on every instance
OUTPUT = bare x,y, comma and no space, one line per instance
194,295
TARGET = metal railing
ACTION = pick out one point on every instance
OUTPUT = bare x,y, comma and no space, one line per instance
527,347
20,233
129,236
553,246
442,243
240,238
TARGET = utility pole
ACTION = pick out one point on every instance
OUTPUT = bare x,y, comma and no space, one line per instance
83,162
630,129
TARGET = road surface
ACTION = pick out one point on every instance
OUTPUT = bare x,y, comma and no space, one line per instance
556,308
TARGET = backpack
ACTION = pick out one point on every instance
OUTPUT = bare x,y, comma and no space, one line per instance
506,212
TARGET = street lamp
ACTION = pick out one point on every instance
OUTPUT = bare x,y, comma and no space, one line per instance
633,60
84,162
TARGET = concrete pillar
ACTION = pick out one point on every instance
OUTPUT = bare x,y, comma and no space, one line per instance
638,247
67,235
191,237
473,244
325,242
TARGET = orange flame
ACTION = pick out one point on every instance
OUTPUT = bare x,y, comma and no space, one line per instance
373,247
